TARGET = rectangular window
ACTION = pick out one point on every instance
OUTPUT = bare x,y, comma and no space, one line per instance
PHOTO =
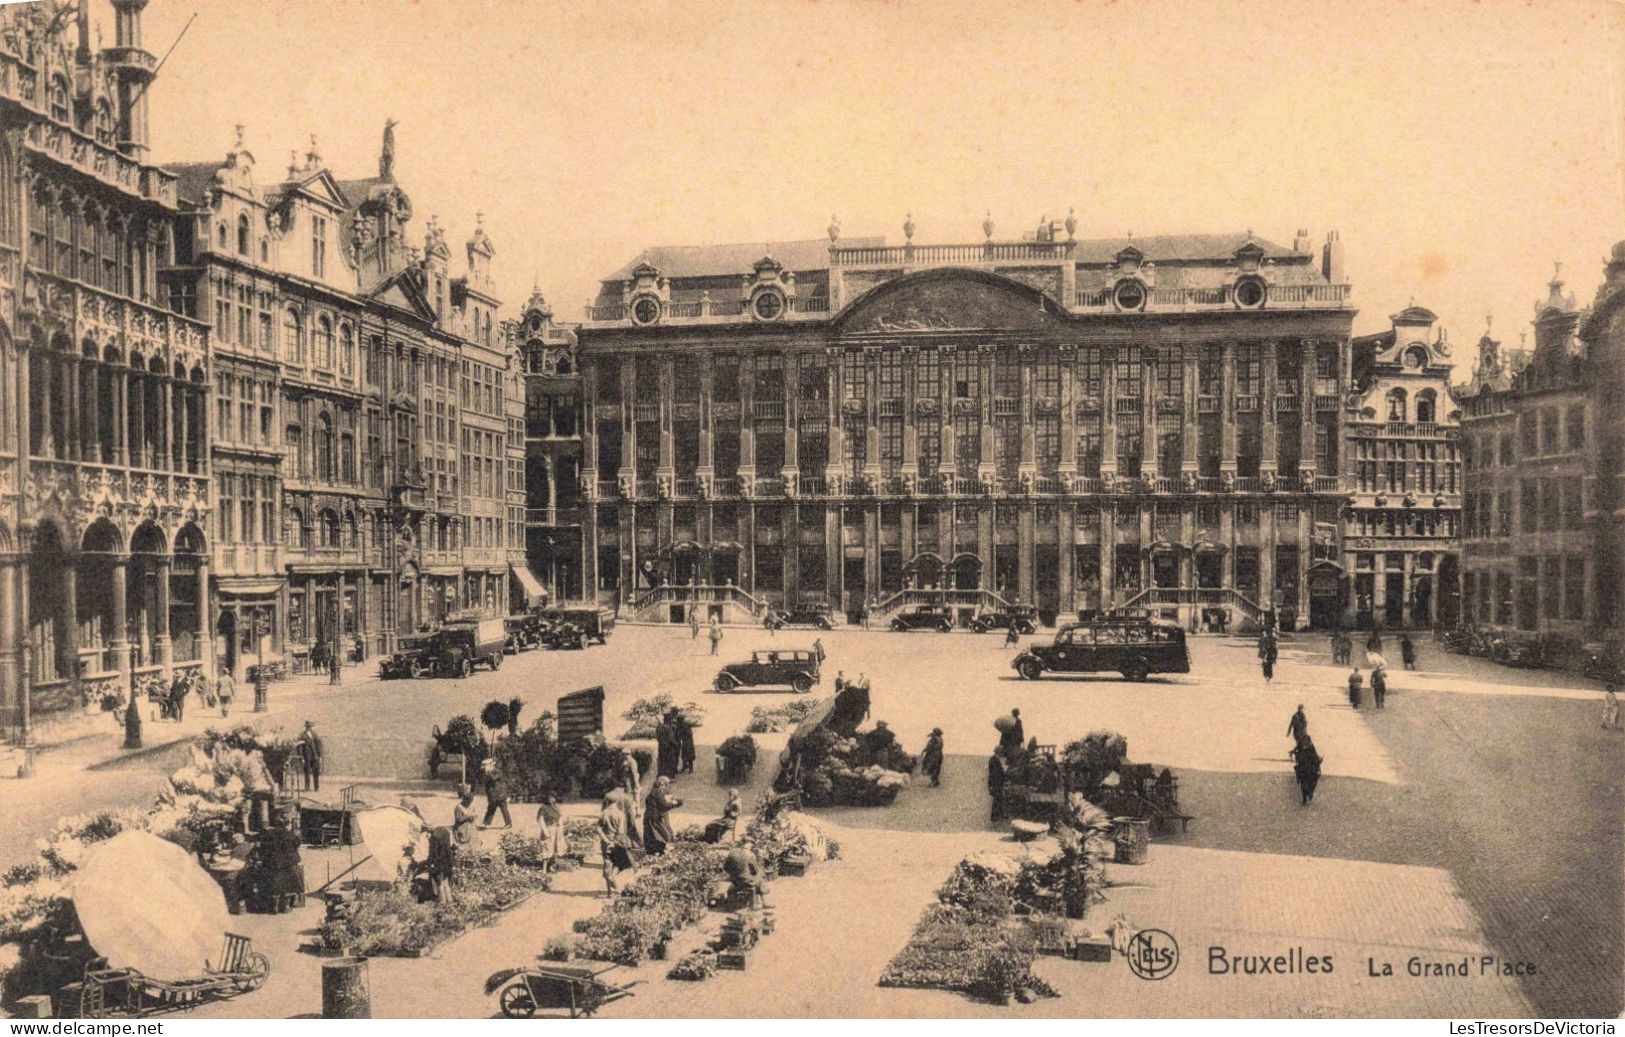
854,377
1130,372
1249,368
1529,507
891,446
1577,428
1170,377
927,375
891,375
1210,370
1548,431
1090,374
967,444
1552,587
1047,444
967,375
1574,587
929,448
1047,377
1503,514
1089,443
318,246
1130,451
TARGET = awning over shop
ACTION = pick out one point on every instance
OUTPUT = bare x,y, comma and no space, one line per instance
248,588
535,593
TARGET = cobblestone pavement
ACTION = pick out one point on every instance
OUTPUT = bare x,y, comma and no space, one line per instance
1474,816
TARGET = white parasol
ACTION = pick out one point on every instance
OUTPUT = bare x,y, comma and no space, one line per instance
146,904
385,831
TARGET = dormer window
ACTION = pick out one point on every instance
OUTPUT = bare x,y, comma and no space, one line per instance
768,305
244,235
318,246
645,310
1129,295
1250,293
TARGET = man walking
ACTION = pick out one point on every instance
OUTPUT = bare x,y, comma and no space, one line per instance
225,689
310,746
496,796
995,784
818,649
1407,652
716,636
1356,683
693,624
931,759
1298,726
1379,687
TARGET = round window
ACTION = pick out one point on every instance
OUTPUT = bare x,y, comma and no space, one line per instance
1250,293
646,310
1129,295
769,306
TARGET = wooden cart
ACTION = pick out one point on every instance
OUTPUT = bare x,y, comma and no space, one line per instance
126,992
579,989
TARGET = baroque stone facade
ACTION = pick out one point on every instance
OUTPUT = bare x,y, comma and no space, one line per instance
1074,424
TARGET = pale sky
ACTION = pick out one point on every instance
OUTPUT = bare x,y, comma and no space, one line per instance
1459,148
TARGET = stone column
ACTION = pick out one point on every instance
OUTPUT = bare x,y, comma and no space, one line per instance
871,432
1266,555
1308,465
1028,463
136,418
1227,411
1305,556
47,364
911,446
629,423
205,642
1227,539
1108,554
162,645
792,421
1066,576
668,394
69,618
1267,456
1026,548
984,539
986,470
121,622
589,438
73,425
837,428
707,463
947,463
834,555
1190,440
10,674
747,425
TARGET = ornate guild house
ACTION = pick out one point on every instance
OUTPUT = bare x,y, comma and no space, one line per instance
105,506
1074,424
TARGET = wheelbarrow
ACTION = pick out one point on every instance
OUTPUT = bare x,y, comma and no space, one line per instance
578,989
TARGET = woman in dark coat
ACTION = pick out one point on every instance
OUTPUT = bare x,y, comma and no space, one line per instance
1306,765
931,759
685,742
657,810
666,750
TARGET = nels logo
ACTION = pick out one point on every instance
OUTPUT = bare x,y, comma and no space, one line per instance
1152,954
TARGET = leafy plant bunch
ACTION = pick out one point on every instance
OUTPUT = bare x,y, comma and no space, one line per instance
767,719
1091,758
741,748
646,714
670,895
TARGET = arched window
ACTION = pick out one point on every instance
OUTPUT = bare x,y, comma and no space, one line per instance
352,530
293,335
297,533
244,234
112,245
324,344
64,227
1426,407
265,250
347,457
1396,405
329,531
220,235
104,123
87,248
346,350
59,99
323,447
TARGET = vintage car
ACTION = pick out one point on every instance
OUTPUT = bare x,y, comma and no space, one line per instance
463,644
1023,618
924,617
1134,647
577,626
413,657
813,614
795,667
525,631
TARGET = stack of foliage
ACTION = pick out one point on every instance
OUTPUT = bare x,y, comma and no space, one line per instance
669,894
738,754
970,941
461,737
498,715
1034,770
1069,883
646,714
789,834
528,761
1091,759
580,836
200,799
392,923
695,965
766,719
838,771
533,760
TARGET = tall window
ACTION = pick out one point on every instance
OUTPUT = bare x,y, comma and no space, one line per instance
1170,377
1047,377
1210,370
318,246
891,376
1249,368
324,344
1089,449
1130,450
346,350
244,235
1130,372
245,316
854,379
1090,373
967,375
323,448
929,447
64,226
293,336
927,379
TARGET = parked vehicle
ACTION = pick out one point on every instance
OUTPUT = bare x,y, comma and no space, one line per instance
795,667
463,644
1024,618
1605,663
1136,648
924,617
525,631
413,657
577,626
815,614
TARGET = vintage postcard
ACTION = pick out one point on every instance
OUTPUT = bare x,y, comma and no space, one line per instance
858,509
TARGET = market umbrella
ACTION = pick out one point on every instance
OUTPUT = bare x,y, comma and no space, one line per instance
384,831
167,928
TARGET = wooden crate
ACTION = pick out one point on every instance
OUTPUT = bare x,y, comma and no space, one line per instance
732,959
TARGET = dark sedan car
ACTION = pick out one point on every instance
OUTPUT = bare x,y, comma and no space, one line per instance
924,617
797,668
1024,618
819,616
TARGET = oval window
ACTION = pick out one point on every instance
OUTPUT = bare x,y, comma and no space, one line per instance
1250,293
646,310
769,306
1129,295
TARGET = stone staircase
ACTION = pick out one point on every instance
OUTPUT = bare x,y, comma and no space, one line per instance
738,605
1241,606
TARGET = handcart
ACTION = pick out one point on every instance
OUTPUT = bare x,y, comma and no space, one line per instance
127,992
576,988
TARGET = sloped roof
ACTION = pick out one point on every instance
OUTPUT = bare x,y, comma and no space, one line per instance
1160,248
193,179
722,260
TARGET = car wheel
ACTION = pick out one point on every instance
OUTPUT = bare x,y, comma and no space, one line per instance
802,684
725,683
1024,628
1030,669
822,624
944,627
496,662
465,668
898,626
979,627
1136,671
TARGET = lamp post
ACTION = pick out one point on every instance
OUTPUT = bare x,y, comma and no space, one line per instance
132,712
261,689
25,734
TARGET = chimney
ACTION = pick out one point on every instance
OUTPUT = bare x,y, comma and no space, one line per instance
1331,259
1300,243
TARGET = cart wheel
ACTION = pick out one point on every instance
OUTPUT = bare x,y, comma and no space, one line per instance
516,1001
944,627
259,967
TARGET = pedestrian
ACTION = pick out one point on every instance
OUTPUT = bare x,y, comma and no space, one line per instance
666,748
496,796
1298,726
1011,732
693,623
462,815
818,649
657,834
1356,682
995,784
1407,652
225,689
685,741
1267,664
931,758
716,636
1379,687
612,841
1610,709
310,752
840,681
550,831
177,697
1011,636
1306,763
744,871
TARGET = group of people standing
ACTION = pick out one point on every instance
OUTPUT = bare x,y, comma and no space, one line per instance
674,745
1012,736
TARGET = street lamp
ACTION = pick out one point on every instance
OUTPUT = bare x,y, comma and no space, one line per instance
132,712
261,685
25,735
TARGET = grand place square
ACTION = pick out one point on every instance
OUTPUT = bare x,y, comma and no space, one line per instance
977,619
